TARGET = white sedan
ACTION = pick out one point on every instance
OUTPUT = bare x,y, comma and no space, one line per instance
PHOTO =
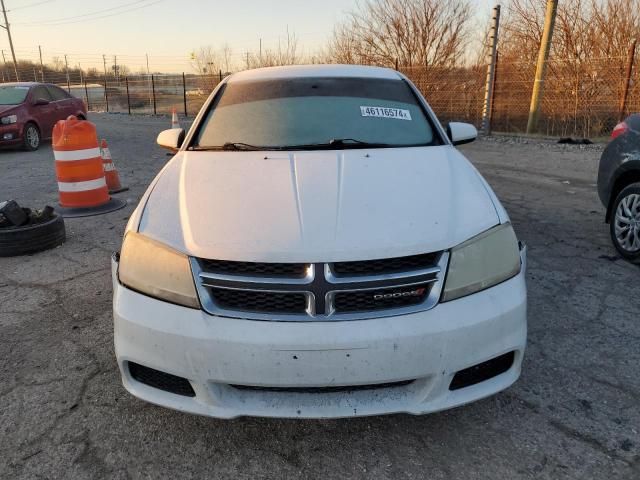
318,247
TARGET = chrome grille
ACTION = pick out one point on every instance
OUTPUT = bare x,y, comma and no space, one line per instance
258,269
255,301
320,291
385,265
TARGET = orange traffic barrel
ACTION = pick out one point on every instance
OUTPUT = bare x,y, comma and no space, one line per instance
81,181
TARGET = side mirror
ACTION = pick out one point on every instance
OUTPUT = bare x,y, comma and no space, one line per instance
171,139
460,133
41,101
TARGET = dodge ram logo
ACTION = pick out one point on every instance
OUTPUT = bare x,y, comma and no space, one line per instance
418,292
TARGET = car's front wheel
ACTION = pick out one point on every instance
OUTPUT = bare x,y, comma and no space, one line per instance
31,140
625,224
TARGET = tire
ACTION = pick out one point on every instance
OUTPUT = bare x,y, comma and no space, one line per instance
31,137
32,238
625,223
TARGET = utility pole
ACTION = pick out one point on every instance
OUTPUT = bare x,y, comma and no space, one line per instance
543,56
41,64
149,78
247,60
66,67
6,27
4,59
106,95
115,70
491,71
627,83
260,52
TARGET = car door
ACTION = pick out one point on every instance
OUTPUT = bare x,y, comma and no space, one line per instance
45,114
63,101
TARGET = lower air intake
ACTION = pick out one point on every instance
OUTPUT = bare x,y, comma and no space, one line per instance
337,389
482,371
161,380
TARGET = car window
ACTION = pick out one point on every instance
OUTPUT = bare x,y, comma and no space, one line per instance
40,92
12,95
308,111
57,93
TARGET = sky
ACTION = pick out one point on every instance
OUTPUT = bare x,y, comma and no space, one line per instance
167,30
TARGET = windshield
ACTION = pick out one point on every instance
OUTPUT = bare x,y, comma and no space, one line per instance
11,95
315,113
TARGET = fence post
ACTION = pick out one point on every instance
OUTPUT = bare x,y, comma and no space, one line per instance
493,94
86,92
220,75
153,90
106,95
184,93
627,83
126,82
491,72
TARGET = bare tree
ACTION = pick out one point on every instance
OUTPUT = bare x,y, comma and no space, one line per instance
587,62
207,61
585,29
287,53
412,32
57,64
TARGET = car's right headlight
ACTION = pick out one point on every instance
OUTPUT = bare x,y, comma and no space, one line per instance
9,119
482,262
154,269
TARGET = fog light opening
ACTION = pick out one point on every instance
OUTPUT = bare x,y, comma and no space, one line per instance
161,380
482,371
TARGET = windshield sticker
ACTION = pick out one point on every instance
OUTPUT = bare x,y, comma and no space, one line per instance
382,112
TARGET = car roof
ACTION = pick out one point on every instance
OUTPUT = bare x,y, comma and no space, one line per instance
22,84
305,71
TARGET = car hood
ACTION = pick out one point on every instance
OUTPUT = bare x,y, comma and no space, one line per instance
317,206
8,108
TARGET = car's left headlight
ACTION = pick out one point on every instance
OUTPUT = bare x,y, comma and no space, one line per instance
154,269
9,119
482,262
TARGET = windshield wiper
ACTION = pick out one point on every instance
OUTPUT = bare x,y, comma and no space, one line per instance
337,144
333,144
229,146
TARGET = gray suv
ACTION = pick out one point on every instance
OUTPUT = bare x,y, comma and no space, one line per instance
619,187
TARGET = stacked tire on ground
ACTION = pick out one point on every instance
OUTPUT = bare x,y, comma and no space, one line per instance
24,231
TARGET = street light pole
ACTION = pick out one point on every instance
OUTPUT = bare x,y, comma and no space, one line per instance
6,27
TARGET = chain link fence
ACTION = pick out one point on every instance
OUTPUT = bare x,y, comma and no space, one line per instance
580,99
135,94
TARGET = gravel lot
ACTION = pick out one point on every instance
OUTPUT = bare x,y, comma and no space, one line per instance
575,412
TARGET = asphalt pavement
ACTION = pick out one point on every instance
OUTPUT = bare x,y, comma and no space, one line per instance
574,413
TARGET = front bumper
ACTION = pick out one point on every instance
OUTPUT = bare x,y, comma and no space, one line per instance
214,353
11,134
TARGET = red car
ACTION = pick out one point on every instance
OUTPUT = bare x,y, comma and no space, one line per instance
29,110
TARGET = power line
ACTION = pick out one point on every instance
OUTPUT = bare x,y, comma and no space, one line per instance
82,17
30,5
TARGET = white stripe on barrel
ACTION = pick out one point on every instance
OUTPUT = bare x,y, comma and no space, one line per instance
75,155
82,186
